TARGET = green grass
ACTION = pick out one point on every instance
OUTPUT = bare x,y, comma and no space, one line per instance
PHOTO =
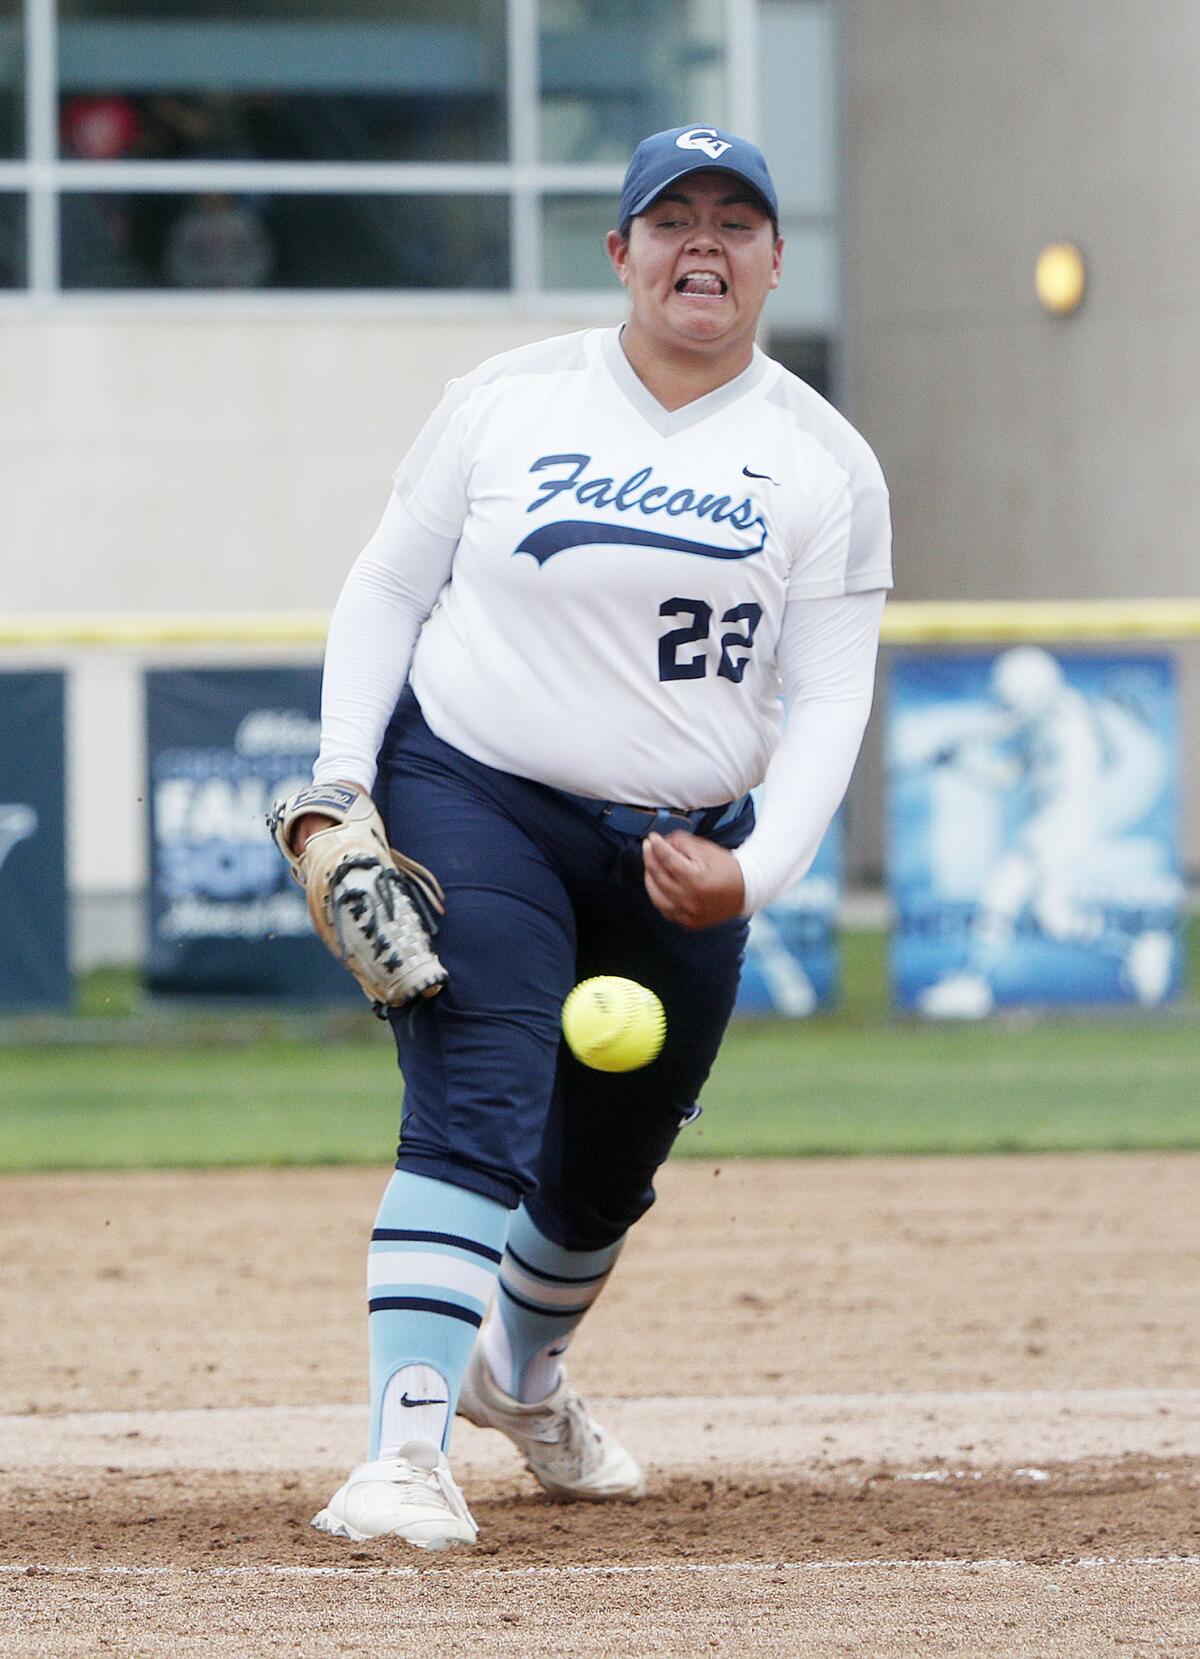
232,1088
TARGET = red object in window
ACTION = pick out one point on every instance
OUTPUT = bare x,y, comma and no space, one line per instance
100,129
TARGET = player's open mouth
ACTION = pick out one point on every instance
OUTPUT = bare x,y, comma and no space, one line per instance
702,284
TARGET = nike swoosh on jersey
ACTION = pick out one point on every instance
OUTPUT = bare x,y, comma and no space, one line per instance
549,539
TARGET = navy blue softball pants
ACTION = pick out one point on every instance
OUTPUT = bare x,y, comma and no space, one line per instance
541,894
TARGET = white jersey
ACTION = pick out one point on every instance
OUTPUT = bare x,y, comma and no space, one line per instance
618,588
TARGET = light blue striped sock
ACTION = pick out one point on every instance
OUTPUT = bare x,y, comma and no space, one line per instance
433,1259
544,1293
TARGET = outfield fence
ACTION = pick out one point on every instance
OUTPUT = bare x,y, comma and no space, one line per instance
105,657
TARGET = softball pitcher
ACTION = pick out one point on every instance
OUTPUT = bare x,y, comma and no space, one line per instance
557,668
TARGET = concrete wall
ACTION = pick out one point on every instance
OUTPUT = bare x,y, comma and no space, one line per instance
1028,457
211,464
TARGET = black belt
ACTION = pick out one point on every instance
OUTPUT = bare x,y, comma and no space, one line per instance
640,820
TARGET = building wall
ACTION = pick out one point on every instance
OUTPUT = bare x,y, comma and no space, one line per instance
216,464
1029,457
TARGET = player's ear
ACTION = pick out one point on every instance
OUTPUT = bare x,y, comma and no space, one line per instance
618,251
777,262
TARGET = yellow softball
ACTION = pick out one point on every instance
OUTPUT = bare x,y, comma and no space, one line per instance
613,1024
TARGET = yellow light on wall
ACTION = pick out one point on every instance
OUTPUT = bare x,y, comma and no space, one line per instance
1059,278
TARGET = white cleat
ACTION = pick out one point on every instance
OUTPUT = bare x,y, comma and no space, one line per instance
1148,967
564,1448
412,1496
962,996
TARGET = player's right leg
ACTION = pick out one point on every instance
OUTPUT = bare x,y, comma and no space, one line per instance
515,1381
605,1136
479,1063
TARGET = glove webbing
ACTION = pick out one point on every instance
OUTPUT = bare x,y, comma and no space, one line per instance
364,903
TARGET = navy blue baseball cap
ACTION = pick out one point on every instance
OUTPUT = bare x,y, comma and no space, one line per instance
665,157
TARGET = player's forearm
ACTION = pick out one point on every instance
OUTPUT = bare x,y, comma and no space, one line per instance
388,594
827,659
367,654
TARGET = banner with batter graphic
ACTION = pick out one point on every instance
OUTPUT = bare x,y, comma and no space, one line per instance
792,958
34,965
1033,830
225,915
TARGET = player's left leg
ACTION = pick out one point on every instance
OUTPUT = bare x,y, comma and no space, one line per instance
605,1137
479,1065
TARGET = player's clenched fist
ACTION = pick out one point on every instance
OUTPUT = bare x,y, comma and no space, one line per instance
692,881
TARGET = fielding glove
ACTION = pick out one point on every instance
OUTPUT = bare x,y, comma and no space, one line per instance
375,909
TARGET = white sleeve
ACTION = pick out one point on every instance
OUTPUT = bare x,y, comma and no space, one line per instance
431,480
826,656
819,567
391,589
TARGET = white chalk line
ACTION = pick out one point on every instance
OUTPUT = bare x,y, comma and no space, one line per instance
993,1563
918,1398
921,1432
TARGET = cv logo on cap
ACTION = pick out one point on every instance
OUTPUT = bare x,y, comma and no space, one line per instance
703,138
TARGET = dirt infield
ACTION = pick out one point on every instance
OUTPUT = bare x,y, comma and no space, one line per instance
919,1407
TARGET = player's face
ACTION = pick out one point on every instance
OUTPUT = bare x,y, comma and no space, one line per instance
699,263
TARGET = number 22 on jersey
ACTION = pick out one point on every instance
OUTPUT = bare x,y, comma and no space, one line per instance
673,666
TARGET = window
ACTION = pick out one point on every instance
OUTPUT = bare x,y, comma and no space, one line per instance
372,146
221,240
12,241
612,71
797,54
573,232
12,57
282,80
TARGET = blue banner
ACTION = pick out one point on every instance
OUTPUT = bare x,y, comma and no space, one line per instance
791,964
34,967
1033,830
225,915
